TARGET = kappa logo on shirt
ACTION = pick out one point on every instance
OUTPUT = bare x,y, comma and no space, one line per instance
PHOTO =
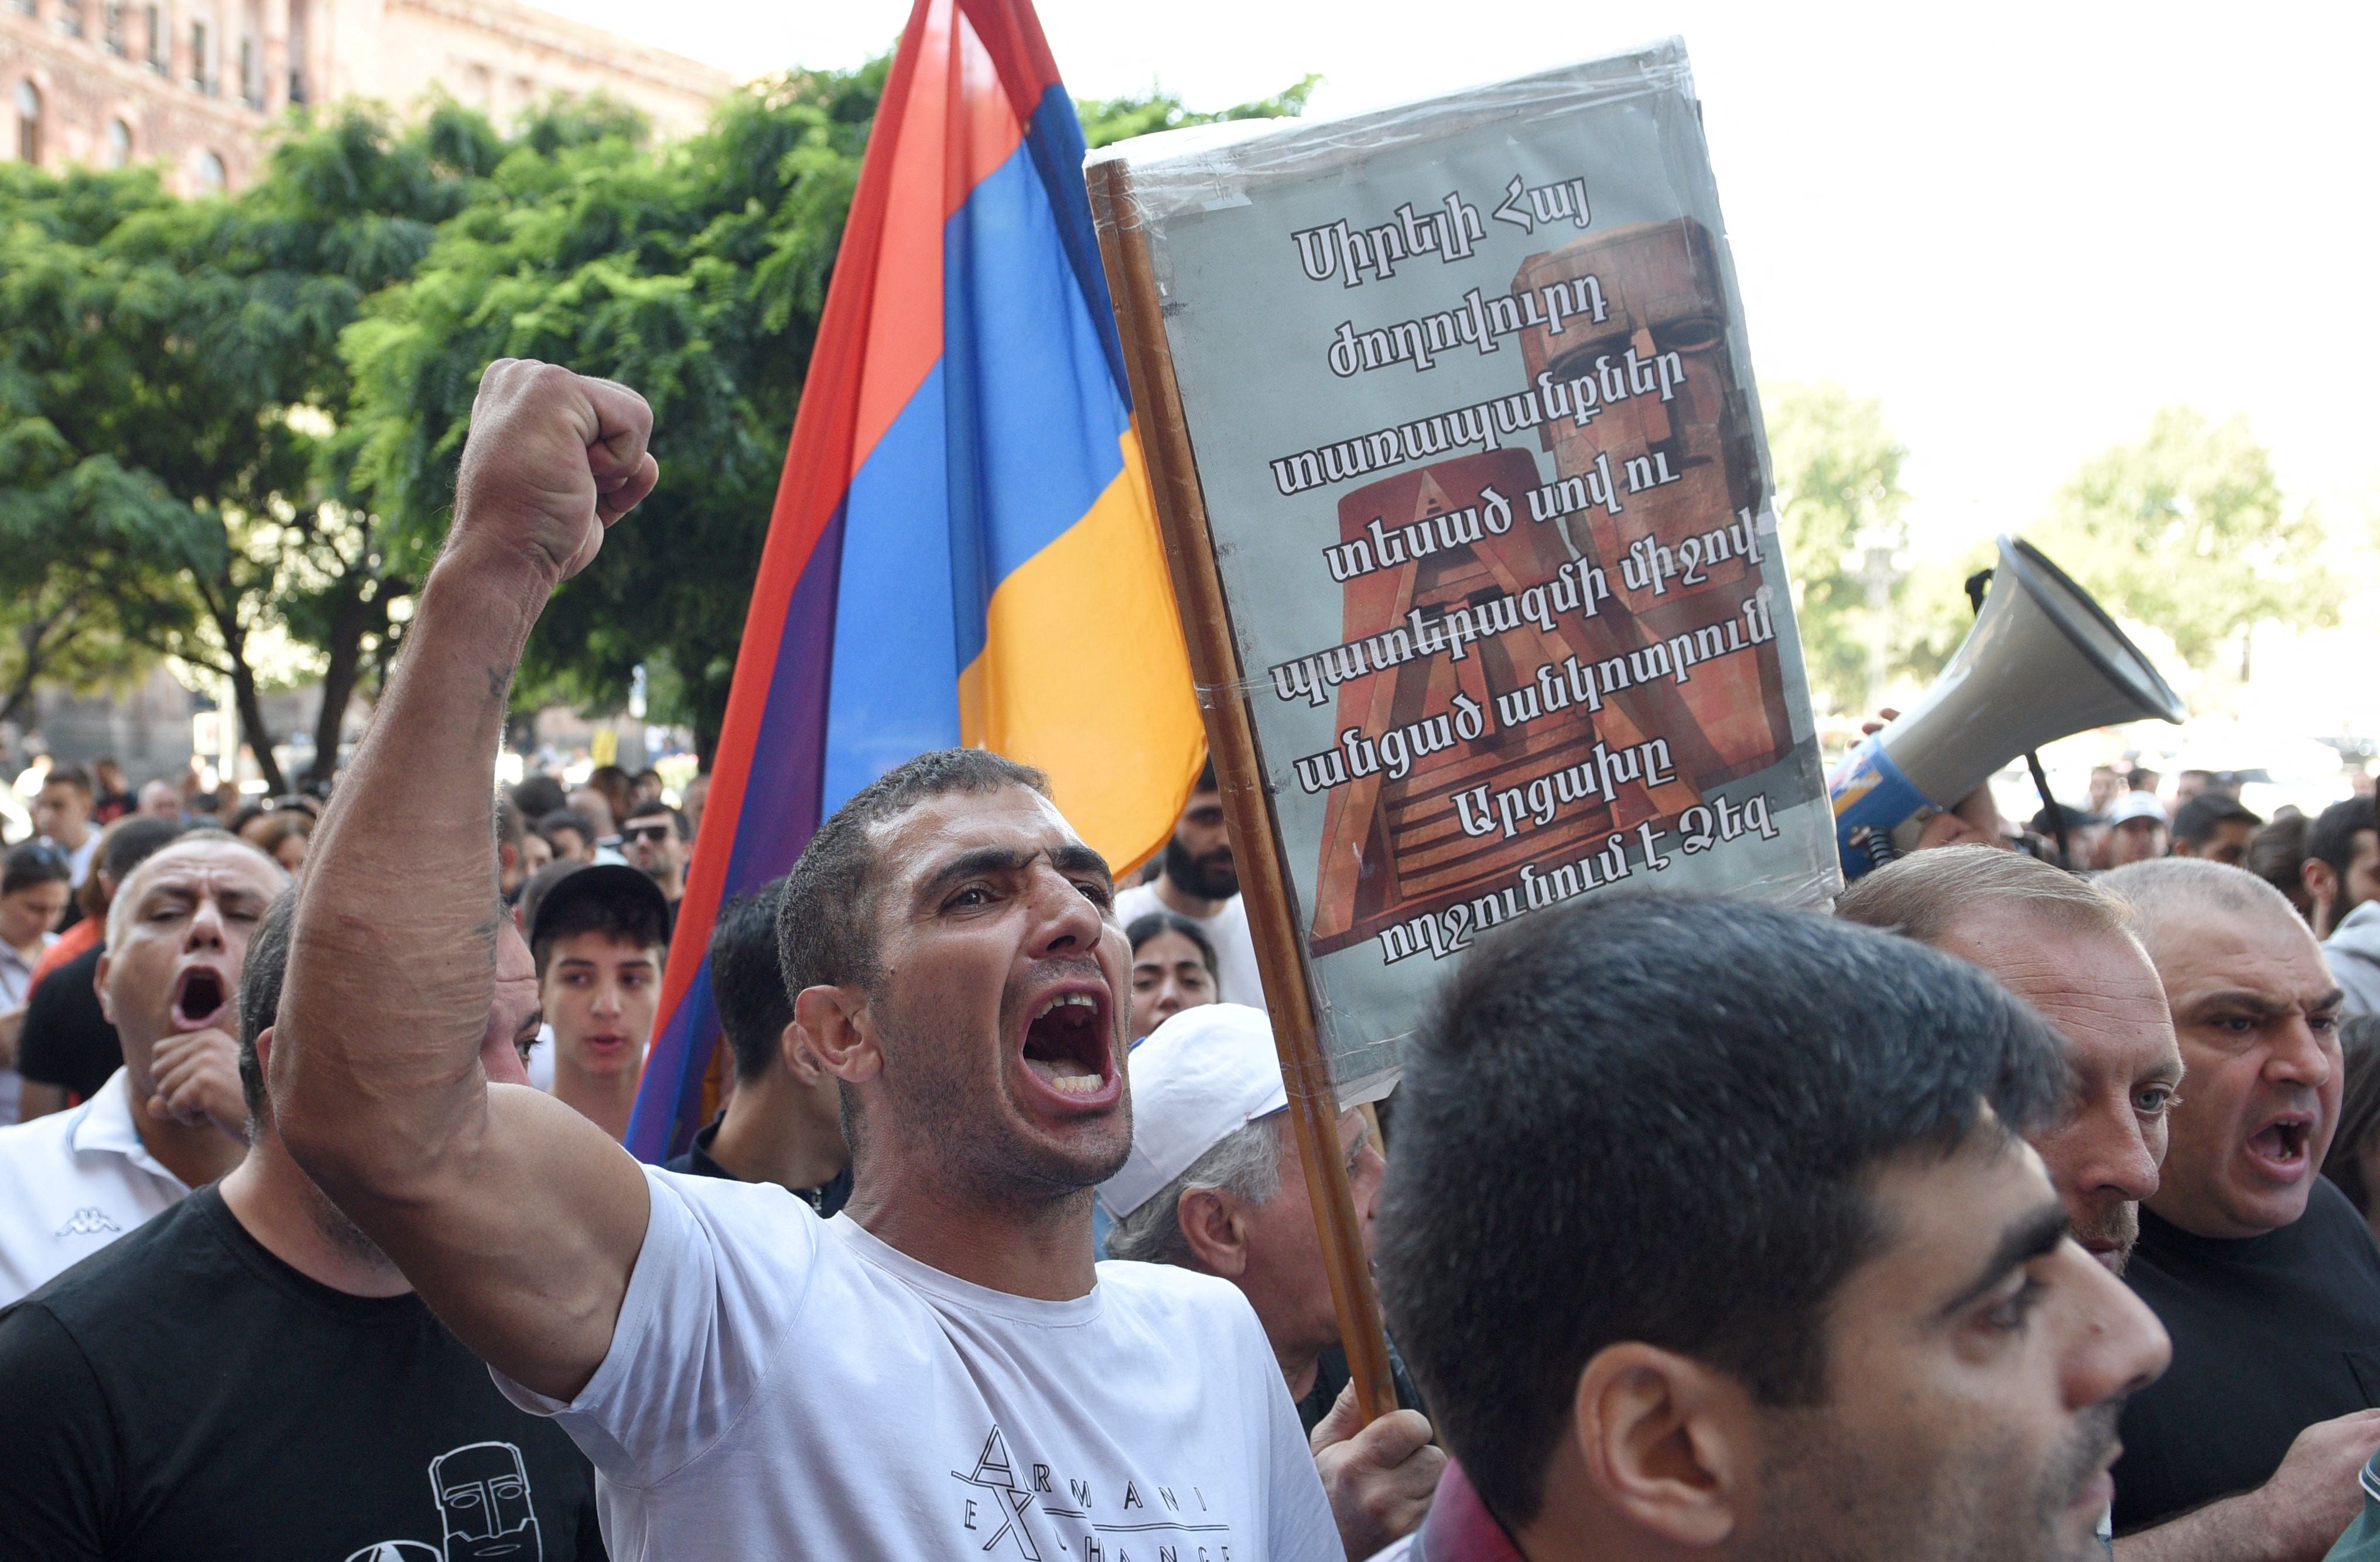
1176,1527
90,1221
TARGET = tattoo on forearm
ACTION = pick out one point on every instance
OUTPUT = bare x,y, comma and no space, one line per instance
498,680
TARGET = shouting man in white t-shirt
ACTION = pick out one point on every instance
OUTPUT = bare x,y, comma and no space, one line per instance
940,1371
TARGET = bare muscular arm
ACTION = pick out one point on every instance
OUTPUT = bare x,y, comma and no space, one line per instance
515,1219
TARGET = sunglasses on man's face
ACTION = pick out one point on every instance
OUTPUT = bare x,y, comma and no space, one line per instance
656,833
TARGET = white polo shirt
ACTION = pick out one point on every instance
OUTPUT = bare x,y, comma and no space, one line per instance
72,1182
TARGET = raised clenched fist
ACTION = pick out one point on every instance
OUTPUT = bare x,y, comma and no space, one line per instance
551,460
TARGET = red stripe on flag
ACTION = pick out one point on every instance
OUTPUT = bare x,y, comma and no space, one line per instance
1012,36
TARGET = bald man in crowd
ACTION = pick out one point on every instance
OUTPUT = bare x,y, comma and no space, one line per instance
173,1118
2261,1270
251,1340
2068,949
2073,951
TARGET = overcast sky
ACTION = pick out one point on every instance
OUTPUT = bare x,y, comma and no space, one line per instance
2024,229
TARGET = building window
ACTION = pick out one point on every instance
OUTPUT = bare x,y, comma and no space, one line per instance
211,173
157,40
22,8
70,18
29,122
297,51
200,75
251,74
111,27
120,143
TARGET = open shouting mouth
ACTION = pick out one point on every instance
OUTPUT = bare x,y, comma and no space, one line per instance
200,996
2283,1149
1066,1048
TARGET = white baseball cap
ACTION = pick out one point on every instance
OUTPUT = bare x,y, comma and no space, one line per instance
2137,806
1202,1075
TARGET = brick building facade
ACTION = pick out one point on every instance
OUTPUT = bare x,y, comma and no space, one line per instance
192,84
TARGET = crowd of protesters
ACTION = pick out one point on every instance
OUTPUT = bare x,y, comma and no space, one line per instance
2025,1208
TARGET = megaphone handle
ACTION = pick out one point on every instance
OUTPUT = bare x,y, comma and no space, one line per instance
2049,806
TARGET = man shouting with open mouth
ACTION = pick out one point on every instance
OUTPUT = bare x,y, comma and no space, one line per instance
940,1371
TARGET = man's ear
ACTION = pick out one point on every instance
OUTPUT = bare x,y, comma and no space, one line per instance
1216,1229
794,1051
1668,1442
507,857
264,1051
99,985
2320,882
833,1023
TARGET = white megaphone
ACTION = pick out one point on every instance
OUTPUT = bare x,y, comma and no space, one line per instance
2042,660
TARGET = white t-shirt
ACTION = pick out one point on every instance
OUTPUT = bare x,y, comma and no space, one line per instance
72,1182
1235,949
780,1385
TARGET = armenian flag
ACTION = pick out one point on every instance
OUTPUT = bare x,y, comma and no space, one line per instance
964,548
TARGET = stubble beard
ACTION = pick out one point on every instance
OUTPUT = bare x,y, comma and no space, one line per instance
343,1235
1211,878
2120,1225
968,1120
1830,1500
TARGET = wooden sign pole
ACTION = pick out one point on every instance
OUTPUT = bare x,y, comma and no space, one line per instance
1231,738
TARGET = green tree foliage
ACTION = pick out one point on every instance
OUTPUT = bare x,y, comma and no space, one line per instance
2186,530
170,380
696,273
1839,499
222,419
1115,119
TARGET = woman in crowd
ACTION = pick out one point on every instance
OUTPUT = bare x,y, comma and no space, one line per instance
1172,969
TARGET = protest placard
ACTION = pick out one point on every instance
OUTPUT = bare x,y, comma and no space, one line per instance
1475,463
1447,685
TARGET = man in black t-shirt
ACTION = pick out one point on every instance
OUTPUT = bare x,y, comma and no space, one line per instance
2263,1273
248,1376
782,1125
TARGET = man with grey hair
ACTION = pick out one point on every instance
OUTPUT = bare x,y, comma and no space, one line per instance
1214,1184
2261,1272
2068,950
173,1117
307,1333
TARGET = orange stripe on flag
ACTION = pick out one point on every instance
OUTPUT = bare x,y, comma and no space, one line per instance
1084,674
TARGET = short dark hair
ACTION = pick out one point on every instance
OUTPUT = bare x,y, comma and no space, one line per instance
125,845
510,830
34,863
2196,820
1648,1117
74,776
1206,781
262,972
826,932
1148,925
566,818
2331,837
2276,853
748,981
654,807
2358,1109
538,795
640,920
